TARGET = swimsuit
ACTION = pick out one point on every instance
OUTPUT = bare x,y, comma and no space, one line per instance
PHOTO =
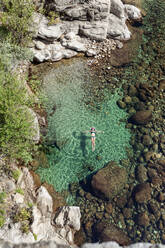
93,134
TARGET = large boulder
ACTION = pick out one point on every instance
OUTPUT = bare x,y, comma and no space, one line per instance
117,29
94,30
109,181
142,193
109,232
141,117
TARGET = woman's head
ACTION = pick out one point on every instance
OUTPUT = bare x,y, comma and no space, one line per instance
92,129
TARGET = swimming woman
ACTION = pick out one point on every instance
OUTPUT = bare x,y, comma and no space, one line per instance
93,132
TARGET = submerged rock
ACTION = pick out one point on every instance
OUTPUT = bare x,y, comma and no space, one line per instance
109,181
109,232
143,193
141,117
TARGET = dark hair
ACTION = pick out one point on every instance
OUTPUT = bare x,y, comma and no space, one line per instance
92,128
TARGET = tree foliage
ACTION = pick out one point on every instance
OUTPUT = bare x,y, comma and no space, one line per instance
15,121
16,16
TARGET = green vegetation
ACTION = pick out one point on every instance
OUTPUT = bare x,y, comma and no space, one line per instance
30,204
2,220
15,120
20,191
53,17
16,18
16,174
25,227
24,216
35,84
35,236
2,211
2,197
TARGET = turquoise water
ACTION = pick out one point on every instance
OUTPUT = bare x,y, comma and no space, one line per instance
67,89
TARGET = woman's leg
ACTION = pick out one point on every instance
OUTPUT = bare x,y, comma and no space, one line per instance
93,144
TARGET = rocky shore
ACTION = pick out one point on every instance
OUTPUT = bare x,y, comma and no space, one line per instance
78,24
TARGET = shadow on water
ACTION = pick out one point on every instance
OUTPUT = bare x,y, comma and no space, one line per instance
83,138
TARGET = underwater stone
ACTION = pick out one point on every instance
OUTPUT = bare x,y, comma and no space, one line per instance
143,193
109,232
109,181
141,117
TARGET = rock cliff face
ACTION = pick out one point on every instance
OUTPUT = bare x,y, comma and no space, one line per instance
28,214
80,22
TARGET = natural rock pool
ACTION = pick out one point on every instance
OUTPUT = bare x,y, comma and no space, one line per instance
72,109
77,100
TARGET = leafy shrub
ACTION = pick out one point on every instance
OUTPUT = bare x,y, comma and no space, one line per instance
20,191
25,228
16,174
16,17
22,215
53,17
2,197
15,121
2,220
11,54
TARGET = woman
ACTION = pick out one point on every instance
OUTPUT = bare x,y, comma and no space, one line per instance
93,136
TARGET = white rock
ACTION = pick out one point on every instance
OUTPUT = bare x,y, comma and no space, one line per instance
52,32
9,186
69,53
44,201
39,45
132,12
14,234
56,56
76,45
68,216
117,8
18,198
38,56
118,29
70,36
91,52
35,126
94,30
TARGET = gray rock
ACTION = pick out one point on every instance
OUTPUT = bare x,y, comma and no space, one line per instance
39,45
38,56
68,216
35,126
117,9
91,53
76,45
9,186
44,201
117,29
69,53
132,12
52,32
94,30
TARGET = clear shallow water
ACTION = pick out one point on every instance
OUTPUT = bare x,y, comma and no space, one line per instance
65,88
